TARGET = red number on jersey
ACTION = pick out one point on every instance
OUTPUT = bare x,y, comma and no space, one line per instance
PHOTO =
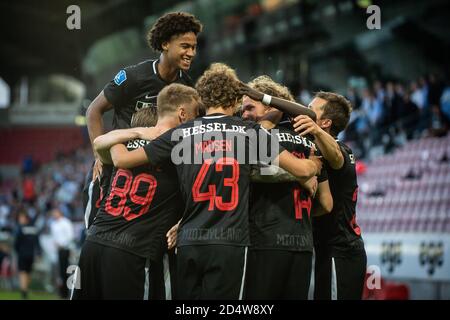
210,195
123,191
300,204
355,226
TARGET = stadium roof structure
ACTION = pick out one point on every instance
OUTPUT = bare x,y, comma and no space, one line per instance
35,39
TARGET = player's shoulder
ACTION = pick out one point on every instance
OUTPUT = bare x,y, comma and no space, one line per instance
136,72
344,148
347,152
143,70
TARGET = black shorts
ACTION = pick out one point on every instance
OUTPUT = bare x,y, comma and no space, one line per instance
107,273
25,263
339,278
278,275
211,272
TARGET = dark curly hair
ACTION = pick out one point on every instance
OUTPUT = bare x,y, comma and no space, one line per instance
219,86
172,24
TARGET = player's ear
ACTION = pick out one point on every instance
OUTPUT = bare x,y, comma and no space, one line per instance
182,114
165,45
326,123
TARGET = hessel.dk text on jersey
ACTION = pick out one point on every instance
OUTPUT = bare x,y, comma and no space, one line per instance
217,140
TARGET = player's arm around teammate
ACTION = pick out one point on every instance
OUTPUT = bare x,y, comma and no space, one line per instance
103,143
306,122
300,168
291,108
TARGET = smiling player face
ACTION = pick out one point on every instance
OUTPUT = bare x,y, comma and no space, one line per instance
181,50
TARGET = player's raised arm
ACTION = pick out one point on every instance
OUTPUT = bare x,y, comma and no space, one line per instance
94,116
94,121
289,107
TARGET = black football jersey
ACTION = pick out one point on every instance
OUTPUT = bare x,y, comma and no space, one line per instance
338,230
280,213
212,155
137,87
141,205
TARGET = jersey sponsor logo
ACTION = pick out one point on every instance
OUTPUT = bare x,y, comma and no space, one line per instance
287,137
137,143
149,102
123,239
120,77
216,234
249,145
142,105
293,240
210,127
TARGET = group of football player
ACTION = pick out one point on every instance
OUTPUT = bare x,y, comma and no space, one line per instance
218,190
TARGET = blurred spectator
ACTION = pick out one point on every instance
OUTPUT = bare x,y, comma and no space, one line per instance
6,266
28,165
5,211
445,104
304,96
418,95
411,115
379,92
373,108
28,191
354,98
26,245
435,88
437,128
63,235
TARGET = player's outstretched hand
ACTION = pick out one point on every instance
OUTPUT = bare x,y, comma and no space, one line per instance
172,236
97,169
245,90
304,125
